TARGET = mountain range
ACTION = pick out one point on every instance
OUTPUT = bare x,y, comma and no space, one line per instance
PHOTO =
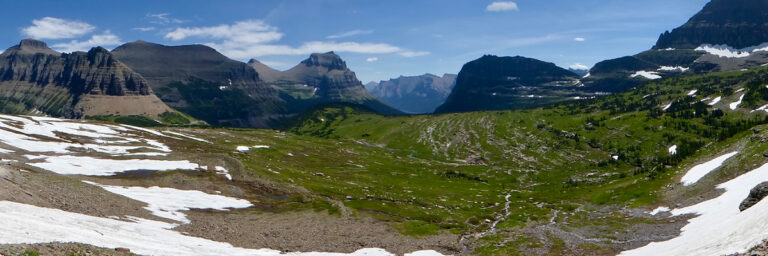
35,79
414,94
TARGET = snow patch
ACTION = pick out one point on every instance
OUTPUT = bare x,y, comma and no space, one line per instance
693,92
660,210
697,172
735,105
169,202
720,228
673,150
32,224
715,101
673,69
223,171
646,74
83,165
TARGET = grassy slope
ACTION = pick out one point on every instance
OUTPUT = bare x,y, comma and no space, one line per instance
452,171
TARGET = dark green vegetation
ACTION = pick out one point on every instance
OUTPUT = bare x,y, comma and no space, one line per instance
451,172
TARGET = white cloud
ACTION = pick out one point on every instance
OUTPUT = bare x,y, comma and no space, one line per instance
410,54
162,18
579,66
350,33
372,59
55,28
248,32
579,39
105,39
502,7
254,38
144,29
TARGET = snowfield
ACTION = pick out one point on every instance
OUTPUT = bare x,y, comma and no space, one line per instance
24,223
720,228
699,171
83,165
169,202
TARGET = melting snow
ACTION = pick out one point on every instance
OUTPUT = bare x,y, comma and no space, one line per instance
666,106
673,150
671,69
691,93
169,202
660,210
223,171
720,228
763,108
715,101
735,105
699,171
31,224
83,165
647,75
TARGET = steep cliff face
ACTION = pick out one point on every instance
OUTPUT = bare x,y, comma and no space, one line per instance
322,78
736,23
496,83
35,78
415,94
205,84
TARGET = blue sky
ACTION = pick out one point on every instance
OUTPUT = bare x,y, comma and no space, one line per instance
378,39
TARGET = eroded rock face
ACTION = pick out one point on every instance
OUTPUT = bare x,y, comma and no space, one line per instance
755,195
35,78
737,23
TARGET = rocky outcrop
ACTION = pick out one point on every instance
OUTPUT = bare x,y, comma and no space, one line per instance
755,195
35,78
205,84
414,94
498,83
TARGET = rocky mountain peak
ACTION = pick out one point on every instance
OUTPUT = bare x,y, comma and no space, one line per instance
736,23
31,46
329,60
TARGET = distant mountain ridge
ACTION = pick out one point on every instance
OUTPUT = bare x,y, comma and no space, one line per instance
414,94
205,84
321,78
35,78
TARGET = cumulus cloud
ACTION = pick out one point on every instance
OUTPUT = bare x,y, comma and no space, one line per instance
372,59
56,28
579,39
254,38
579,66
502,7
350,34
104,39
163,18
